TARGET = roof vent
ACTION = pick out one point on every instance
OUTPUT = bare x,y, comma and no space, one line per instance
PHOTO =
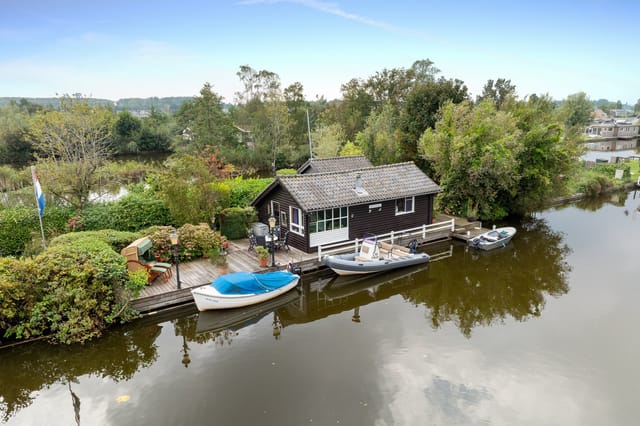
359,189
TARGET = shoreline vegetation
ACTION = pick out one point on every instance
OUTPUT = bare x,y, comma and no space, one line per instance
494,155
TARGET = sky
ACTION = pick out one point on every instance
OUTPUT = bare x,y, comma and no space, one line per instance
140,48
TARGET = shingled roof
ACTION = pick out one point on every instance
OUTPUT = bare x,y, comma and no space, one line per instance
334,164
338,189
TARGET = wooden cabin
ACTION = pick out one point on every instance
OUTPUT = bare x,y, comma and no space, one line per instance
324,208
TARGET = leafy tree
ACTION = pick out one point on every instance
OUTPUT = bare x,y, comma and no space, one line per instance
379,139
189,189
474,151
72,144
350,148
15,146
127,132
327,140
548,157
636,107
420,110
576,110
498,92
205,123
157,132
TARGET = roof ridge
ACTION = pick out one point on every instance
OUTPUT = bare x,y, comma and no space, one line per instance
344,172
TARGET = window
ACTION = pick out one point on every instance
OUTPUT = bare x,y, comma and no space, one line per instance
328,220
297,224
405,205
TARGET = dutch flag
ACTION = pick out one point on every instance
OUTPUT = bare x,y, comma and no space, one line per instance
39,193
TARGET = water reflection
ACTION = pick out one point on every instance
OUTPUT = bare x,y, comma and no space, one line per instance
466,288
29,368
487,287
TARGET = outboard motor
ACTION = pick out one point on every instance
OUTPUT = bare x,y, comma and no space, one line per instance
413,246
294,269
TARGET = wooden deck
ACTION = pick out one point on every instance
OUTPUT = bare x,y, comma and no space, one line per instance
161,295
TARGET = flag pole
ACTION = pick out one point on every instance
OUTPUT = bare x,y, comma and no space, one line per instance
39,202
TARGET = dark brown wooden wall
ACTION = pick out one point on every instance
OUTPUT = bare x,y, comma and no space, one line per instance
384,221
361,221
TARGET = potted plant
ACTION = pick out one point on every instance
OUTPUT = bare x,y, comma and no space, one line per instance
263,255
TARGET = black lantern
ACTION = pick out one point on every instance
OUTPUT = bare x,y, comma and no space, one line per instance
175,242
272,231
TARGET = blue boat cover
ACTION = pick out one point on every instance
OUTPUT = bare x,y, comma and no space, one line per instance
250,283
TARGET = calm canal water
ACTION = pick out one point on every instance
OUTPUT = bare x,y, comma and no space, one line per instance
543,332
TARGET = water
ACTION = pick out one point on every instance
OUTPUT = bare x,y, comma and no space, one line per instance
543,332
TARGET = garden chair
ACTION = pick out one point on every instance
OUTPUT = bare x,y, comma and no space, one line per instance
283,242
252,241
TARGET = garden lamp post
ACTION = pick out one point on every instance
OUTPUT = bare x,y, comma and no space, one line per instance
175,242
272,231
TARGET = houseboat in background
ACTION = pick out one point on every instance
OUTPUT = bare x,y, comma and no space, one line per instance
609,129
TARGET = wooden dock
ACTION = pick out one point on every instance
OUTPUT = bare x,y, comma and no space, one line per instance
164,295
161,295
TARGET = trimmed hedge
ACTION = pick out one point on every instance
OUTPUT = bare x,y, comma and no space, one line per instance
20,225
235,221
134,211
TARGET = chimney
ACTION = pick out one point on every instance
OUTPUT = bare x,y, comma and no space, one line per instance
358,183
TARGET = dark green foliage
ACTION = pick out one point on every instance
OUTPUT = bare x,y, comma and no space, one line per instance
243,191
195,241
70,291
235,221
135,211
117,240
132,212
20,225
16,227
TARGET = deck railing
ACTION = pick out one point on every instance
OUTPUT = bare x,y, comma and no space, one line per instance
391,237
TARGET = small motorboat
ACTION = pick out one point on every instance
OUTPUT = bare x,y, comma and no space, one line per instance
374,257
242,289
495,238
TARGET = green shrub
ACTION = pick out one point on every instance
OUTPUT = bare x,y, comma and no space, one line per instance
20,225
243,191
16,226
70,291
19,291
116,239
138,210
235,221
92,218
195,241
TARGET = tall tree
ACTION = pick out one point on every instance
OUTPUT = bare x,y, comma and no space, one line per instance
206,123
379,139
548,157
420,111
15,144
576,110
327,140
499,92
72,144
474,152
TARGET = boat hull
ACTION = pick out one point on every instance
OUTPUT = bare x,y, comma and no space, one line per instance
346,264
208,298
493,239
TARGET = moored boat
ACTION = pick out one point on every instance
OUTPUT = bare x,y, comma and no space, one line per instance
243,289
374,258
495,238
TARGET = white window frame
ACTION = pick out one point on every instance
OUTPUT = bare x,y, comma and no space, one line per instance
296,228
413,205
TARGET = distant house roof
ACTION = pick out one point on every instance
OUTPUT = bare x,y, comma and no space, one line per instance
334,164
338,189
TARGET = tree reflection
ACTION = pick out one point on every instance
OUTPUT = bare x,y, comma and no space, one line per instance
28,368
480,288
